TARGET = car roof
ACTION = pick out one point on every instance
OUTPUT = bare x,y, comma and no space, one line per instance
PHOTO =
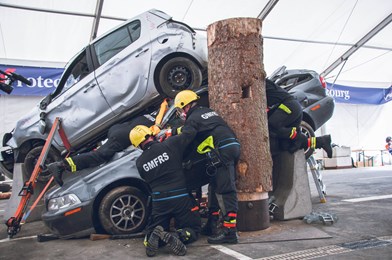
155,12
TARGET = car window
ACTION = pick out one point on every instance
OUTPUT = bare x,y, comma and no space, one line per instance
78,71
115,42
294,80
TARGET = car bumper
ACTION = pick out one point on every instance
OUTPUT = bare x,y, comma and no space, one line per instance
66,225
321,111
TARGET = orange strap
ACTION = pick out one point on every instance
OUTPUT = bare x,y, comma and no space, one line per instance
162,111
64,138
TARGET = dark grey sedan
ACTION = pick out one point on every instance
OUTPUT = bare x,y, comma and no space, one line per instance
108,199
309,88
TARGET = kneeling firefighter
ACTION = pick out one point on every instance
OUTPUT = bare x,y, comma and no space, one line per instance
160,165
209,128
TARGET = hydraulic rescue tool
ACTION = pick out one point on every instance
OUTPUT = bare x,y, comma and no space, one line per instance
14,223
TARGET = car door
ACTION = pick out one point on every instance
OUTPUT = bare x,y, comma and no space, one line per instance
123,57
78,101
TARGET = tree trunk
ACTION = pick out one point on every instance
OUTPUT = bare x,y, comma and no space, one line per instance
236,80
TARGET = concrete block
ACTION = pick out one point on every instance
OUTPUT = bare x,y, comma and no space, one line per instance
338,162
342,151
291,190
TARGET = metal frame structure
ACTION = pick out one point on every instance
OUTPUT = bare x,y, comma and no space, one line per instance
263,15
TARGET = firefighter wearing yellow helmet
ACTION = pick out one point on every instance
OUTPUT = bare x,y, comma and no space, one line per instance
185,97
214,136
160,165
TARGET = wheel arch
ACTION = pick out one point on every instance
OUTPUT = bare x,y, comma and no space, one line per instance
308,120
168,57
26,146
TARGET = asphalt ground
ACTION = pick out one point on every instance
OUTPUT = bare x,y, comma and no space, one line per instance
361,198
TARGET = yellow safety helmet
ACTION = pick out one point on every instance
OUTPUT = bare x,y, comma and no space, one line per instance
185,97
139,134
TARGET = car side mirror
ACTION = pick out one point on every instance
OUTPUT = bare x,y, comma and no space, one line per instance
45,102
42,123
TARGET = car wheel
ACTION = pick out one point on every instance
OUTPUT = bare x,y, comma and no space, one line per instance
32,158
178,74
123,211
307,130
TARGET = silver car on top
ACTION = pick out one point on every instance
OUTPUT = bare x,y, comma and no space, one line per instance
116,77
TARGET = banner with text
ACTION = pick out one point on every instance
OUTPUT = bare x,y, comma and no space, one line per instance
359,95
44,80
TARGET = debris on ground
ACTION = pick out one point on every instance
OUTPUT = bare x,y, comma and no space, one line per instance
320,217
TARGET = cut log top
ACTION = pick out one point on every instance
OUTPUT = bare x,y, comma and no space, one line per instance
232,28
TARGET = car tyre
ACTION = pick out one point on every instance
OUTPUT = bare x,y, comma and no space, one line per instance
307,130
32,158
178,74
123,211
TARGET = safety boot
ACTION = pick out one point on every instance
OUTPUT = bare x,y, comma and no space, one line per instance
174,243
228,233
56,169
225,236
211,226
300,141
324,142
153,241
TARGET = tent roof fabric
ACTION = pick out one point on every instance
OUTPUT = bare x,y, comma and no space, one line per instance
299,34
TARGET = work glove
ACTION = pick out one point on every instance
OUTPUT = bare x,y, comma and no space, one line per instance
56,169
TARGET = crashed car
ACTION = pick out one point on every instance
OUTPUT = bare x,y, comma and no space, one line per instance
309,88
113,198
110,199
116,77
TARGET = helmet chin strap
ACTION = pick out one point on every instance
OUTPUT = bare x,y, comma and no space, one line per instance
149,139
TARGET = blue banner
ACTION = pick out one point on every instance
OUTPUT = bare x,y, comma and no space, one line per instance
44,80
359,95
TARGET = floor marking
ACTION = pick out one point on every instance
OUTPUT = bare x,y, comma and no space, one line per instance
310,253
379,177
369,198
231,253
333,249
15,239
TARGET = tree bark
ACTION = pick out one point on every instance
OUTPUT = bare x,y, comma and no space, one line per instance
236,80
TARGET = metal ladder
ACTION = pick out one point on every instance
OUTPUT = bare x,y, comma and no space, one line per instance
317,179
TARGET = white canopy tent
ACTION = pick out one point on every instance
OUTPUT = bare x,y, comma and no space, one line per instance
299,34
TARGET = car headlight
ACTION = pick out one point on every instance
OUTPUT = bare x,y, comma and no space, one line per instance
65,201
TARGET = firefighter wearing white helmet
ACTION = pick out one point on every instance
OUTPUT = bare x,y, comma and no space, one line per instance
160,165
215,137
